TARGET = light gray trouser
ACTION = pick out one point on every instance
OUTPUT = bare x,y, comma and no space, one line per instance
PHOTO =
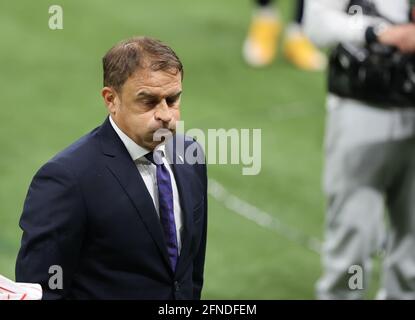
370,163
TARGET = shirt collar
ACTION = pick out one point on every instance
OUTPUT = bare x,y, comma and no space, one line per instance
136,151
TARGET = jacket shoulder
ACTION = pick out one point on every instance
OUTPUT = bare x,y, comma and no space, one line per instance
78,156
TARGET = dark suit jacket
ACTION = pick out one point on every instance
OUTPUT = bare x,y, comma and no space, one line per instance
89,212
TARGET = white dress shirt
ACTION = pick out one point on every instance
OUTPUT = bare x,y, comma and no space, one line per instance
147,171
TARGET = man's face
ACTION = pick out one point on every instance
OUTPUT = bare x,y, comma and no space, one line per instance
148,101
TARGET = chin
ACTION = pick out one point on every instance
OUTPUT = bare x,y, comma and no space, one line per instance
162,134
151,145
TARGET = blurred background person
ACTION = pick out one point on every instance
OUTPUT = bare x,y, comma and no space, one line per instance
370,145
261,44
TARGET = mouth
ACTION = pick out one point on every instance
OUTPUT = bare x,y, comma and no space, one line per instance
162,134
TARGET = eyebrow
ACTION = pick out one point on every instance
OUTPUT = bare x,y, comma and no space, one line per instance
147,94
175,95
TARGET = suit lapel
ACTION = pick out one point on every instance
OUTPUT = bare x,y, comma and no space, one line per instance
124,169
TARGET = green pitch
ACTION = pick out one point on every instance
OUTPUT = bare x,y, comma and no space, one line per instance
50,95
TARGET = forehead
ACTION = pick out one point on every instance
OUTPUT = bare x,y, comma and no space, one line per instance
157,82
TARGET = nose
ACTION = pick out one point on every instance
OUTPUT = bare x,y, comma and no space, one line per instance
163,112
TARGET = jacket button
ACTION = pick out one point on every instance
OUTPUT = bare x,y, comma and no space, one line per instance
176,286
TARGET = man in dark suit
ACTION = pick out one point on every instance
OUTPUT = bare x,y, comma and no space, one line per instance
121,212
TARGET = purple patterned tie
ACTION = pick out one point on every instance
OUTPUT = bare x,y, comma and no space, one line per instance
166,209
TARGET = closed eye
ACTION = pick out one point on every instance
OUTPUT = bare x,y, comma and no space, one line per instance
151,103
171,100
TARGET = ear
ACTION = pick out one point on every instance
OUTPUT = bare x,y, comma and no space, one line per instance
111,99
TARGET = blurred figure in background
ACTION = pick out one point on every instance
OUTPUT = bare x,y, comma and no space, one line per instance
370,143
261,45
